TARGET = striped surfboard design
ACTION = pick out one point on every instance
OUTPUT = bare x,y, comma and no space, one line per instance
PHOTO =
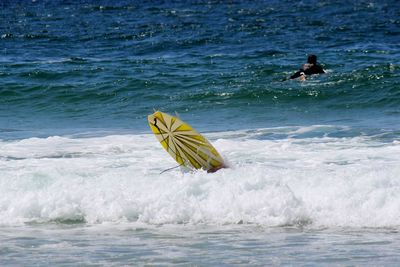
183,143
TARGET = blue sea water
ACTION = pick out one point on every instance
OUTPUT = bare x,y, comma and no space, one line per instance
314,173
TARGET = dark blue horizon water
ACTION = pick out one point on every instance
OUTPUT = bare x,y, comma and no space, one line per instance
67,66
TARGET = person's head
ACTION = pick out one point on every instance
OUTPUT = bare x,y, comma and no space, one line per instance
312,59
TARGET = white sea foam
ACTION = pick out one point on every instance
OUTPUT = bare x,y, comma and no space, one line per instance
320,182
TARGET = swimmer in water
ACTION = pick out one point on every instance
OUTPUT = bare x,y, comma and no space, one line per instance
311,67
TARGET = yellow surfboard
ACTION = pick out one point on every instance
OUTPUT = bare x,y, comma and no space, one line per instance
183,143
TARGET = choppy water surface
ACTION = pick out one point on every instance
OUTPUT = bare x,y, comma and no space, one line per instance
314,166
186,245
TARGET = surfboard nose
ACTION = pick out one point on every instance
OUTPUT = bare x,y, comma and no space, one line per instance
152,118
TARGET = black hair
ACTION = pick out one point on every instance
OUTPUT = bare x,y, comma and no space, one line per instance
312,59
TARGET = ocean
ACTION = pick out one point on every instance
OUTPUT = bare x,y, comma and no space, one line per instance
314,166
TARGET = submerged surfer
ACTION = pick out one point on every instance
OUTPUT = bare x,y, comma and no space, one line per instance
311,67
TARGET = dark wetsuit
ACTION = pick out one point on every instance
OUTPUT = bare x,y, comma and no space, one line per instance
308,69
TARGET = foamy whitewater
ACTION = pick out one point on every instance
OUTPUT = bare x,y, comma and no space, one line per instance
315,182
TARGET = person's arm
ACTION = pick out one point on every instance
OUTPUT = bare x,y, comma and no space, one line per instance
297,74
